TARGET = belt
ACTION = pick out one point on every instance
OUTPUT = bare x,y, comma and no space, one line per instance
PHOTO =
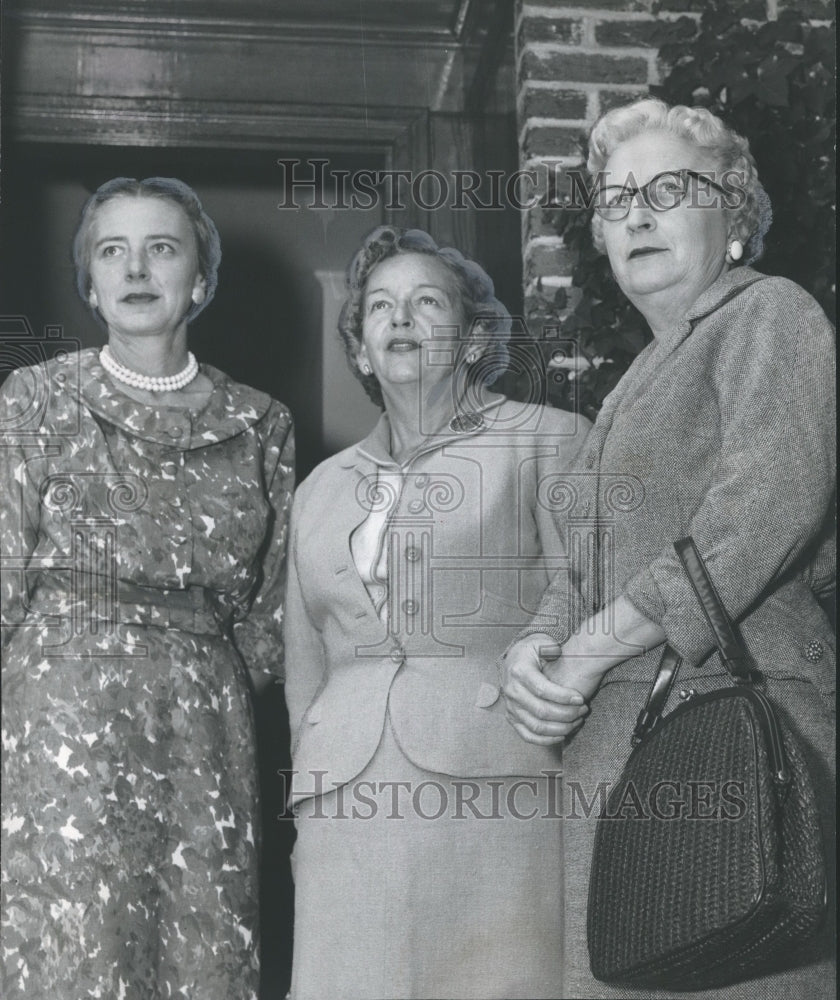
192,609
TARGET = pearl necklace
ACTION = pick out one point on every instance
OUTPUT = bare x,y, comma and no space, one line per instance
152,383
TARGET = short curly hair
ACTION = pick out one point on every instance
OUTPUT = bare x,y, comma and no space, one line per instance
696,125
169,189
481,307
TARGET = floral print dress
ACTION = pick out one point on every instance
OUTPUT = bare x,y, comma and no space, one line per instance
143,571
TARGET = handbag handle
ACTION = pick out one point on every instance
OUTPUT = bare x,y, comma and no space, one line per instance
669,667
734,655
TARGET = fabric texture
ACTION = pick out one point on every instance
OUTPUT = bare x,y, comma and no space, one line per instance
144,561
425,886
724,430
472,543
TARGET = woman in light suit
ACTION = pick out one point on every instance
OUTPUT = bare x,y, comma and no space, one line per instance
428,847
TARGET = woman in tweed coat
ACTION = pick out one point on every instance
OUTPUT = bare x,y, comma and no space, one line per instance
722,429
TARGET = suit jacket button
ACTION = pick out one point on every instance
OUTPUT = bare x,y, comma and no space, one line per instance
415,506
421,481
397,654
411,607
412,553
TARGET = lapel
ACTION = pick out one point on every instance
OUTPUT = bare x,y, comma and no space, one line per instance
637,381
641,373
363,464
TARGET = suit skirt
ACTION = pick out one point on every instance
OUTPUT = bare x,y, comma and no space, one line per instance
413,884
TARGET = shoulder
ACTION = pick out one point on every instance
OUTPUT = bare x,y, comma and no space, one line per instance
41,398
762,324
784,296
532,421
278,417
767,308
767,340
65,369
328,476
253,405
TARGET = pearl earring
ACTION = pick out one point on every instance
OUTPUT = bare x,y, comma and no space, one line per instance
93,300
366,369
198,295
735,251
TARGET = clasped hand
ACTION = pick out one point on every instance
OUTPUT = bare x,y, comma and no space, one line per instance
546,689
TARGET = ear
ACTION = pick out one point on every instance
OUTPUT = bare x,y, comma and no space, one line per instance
199,291
737,230
360,358
478,342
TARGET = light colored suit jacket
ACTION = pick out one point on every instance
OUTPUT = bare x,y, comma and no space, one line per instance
473,544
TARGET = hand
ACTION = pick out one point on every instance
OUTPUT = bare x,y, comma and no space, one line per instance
541,711
580,672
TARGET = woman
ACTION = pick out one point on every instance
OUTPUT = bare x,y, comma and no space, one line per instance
723,429
415,557
144,512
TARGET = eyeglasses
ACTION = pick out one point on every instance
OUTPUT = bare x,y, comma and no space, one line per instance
661,193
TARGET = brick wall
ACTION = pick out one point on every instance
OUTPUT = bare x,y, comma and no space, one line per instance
575,60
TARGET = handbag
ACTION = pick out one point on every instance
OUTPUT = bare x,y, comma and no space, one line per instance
708,865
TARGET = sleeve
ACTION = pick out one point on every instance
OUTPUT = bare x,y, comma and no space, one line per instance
259,635
305,656
561,608
19,509
774,478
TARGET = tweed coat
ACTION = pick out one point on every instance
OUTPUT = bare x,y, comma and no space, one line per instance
473,545
723,429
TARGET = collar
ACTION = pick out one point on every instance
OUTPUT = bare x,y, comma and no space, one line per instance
375,447
231,409
730,284
727,286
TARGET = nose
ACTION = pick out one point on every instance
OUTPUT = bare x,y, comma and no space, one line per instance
401,314
136,265
641,216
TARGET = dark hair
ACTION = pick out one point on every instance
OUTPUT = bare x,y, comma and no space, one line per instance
475,286
169,189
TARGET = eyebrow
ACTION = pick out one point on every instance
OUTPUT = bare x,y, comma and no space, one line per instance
124,239
381,291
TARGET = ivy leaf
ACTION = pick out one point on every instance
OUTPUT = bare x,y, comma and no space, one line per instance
773,90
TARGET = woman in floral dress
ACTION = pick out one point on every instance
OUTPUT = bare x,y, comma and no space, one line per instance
143,512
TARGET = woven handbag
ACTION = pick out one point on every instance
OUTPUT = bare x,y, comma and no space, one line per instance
708,865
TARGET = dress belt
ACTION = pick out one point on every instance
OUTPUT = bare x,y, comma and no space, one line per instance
192,609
